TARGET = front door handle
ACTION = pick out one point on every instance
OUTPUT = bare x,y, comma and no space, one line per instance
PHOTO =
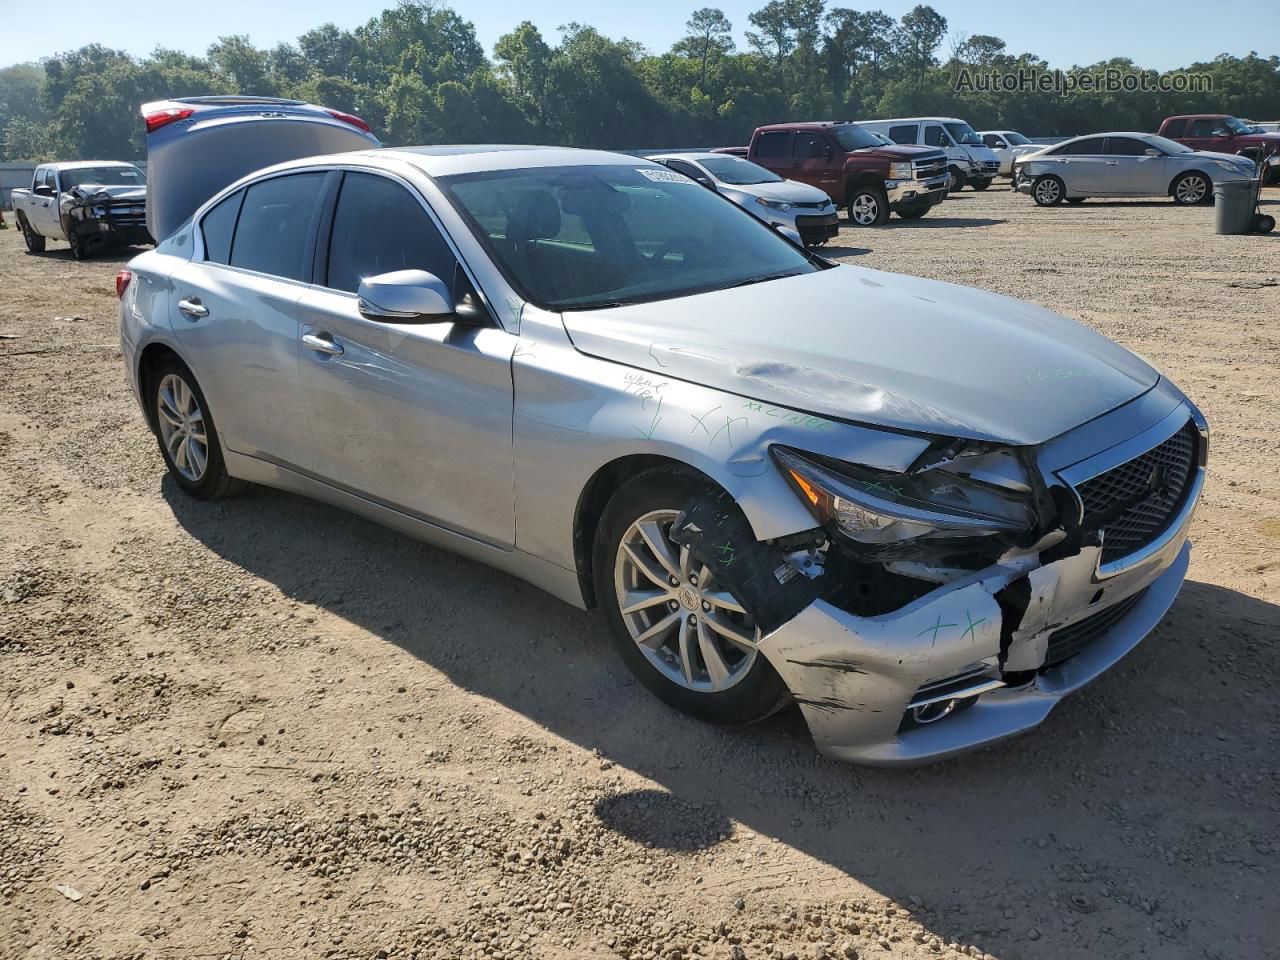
321,345
193,308
1113,163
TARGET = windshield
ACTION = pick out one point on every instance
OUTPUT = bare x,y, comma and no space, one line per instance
573,238
1016,139
103,176
850,136
963,133
1164,144
1236,126
738,172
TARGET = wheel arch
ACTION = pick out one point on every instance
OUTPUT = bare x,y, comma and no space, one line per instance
1181,174
595,496
149,360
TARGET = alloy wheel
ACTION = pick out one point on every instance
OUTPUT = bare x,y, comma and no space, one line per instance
182,427
1191,189
686,625
1048,192
864,210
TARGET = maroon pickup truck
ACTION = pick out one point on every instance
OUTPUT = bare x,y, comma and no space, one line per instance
863,172
1222,133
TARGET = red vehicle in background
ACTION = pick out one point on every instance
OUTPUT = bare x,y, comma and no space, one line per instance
862,171
1223,133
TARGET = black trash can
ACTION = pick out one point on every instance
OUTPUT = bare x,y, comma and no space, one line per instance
1233,205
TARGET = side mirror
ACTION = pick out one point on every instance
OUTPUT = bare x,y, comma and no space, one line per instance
1151,152
44,190
405,296
791,233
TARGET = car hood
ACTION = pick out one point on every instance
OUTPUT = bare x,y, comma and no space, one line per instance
1233,158
788,190
899,151
879,348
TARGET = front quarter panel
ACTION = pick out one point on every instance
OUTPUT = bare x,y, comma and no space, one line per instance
575,414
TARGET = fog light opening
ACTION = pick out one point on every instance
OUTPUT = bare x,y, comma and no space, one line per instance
933,712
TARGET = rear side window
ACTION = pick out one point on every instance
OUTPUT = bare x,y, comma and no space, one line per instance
218,225
772,144
934,137
1175,128
1125,147
378,227
1087,147
271,235
905,133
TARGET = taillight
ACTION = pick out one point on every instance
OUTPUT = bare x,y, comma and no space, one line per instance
122,282
348,118
162,118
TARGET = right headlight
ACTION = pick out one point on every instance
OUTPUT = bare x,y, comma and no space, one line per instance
900,171
875,507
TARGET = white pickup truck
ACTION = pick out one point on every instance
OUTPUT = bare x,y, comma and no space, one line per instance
92,204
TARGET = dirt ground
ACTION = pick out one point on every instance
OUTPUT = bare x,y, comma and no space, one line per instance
262,727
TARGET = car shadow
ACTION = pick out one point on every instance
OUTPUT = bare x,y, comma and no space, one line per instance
1024,822
110,255
931,222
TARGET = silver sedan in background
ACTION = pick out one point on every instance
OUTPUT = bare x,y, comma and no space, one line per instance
1125,165
922,512
775,200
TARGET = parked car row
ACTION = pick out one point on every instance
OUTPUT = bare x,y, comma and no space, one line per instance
922,512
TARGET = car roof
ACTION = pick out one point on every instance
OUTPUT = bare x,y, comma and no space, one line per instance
1197,116
446,160
84,164
917,120
691,155
802,125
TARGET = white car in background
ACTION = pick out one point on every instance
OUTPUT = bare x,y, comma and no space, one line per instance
775,200
1008,145
1125,165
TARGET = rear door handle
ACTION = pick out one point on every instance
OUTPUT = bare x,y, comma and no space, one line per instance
1113,163
321,345
193,308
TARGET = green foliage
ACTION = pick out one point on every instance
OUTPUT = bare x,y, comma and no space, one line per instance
417,74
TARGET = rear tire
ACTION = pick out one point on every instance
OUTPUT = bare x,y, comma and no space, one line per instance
673,662
1191,189
185,430
868,206
1048,190
34,241
981,184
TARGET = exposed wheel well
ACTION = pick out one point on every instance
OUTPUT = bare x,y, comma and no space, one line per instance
152,356
21,217
593,499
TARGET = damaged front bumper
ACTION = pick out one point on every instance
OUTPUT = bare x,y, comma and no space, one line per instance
985,656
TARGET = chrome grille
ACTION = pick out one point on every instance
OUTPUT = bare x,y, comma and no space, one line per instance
991,164
1070,640
1153,484
929,168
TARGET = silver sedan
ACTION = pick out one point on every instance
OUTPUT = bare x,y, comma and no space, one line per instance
1125,165
775,200
922,512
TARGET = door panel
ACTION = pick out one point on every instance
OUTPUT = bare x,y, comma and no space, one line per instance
814,161
415,416
244,353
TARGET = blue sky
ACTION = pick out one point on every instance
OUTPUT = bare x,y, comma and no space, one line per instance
1083,31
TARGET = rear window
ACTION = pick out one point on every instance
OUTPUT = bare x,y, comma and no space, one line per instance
218,225
772,144
273,232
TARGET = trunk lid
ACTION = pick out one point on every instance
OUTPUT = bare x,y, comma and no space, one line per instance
198,145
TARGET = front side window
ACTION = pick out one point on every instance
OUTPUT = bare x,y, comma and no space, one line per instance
934,137
600,236
809,146
1016,139
685,167
218,226
772,144
379,227
992,141
1204,127
1125,147
272,234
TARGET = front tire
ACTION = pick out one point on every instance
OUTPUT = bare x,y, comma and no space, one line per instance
79,249
1191,189
186,433
958,180
34,241
868,206
1048,190
914,213
981,184
682,635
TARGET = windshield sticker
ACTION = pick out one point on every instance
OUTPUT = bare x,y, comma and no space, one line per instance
662,176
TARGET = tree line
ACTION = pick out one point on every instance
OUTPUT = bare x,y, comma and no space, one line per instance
417,74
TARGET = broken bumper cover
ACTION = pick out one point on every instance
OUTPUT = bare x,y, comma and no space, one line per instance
854,678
